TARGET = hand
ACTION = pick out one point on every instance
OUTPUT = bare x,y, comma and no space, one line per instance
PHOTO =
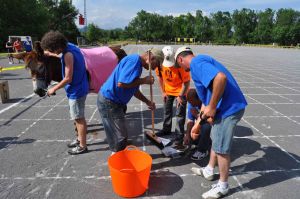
148,80
194,136
180,101
209,113
187,139
50,91
151,105
196,130
165,97
47,53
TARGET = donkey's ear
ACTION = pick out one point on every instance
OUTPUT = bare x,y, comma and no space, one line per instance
118,51
38,48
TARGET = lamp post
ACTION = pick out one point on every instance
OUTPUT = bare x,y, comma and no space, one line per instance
84,14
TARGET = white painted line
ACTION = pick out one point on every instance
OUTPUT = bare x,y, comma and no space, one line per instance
264,86
96,109
254,70
274,110
282,149
145,118
275,103
270,116
57,176
271,94
16,104
101,140
30,126
156,173
270,136
89,105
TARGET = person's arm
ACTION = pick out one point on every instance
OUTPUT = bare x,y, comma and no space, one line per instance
68,58
48,53
218,87
196,130
140,96
187,136
137,82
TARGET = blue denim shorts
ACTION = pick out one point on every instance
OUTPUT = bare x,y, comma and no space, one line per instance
222,132
77,108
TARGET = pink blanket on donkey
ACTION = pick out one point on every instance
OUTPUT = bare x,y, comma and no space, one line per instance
100,62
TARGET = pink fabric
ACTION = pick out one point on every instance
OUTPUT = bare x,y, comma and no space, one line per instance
100,62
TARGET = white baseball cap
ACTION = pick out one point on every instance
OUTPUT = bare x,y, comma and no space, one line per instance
180,50
169,60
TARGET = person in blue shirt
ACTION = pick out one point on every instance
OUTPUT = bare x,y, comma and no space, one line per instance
201,137
74,81
27,44
223,107
119,88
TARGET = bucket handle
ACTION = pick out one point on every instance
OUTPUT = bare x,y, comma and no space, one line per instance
132,147
127,170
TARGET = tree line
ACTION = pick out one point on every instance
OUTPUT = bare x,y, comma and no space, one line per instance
36,17
241,26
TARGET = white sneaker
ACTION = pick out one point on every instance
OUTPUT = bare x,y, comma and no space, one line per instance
198,155
202,172
10,62
215,192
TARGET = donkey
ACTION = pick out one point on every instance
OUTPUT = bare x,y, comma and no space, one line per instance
100,62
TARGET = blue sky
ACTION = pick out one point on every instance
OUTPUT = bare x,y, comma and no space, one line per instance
108,14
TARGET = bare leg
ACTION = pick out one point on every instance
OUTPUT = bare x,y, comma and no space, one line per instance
82,129
212,159
224,164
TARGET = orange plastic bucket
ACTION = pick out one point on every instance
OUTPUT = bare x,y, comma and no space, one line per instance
130,171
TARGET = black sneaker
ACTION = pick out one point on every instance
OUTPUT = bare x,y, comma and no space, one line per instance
73,144
163,133
78,150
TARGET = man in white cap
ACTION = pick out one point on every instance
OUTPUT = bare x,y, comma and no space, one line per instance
174,84
223,105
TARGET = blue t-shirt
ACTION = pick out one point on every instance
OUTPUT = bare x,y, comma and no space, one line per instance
79,86
128,70
190,107
203,70
27,45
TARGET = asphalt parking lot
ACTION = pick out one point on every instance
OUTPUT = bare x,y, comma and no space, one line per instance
265,155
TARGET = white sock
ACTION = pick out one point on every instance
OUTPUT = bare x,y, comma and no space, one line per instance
223,185
209,170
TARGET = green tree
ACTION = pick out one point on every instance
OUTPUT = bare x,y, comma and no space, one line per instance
244,23
138,27
62,18
203,28
221,24
264,28
287,27
31,18
93,33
